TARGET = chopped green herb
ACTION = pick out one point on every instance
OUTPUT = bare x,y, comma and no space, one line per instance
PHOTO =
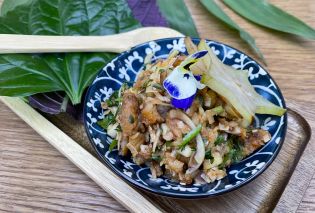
168,143
146,84
131,119
189,136
226,158
208,155
109,119
193,149
236,155
118,128
116,98
217,110
219,140
123,88
236,150
161,70
157,86
113,144
113,100
221,166
117,112
156,157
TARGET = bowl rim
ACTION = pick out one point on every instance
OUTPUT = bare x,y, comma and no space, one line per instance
174,194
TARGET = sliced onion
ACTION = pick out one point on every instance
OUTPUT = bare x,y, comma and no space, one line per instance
200,149
186,152
199,179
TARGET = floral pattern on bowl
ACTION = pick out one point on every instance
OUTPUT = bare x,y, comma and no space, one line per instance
125,68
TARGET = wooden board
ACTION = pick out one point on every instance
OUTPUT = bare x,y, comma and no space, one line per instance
298,195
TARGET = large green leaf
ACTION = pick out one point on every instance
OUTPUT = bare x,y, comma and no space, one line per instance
9,5
265,14
26,74
178,16
213,8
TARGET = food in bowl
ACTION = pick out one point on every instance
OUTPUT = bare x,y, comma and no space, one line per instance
187,117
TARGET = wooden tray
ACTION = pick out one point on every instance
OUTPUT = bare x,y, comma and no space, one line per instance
261,195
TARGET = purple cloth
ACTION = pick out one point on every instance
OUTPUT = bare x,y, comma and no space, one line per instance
147,13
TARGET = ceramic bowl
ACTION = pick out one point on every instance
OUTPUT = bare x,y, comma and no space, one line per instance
126,66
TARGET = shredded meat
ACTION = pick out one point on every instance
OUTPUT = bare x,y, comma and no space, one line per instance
212,136
166,132
209,97
145,151
177,127
163,110
150,114
179,60
172,164
208,117
163,77
123,150
231,127
135,141
142,78
193,108
214,174
185,178
154,136
156,170
156,77
183,159
256,139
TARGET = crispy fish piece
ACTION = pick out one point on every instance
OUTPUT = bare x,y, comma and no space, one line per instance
129,113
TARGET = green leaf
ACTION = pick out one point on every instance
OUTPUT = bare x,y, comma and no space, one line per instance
219,140
217,110
108,120
208,155
265,14
26,74
9,5
215,10
236,153
113,100
113,144
156,157
178,16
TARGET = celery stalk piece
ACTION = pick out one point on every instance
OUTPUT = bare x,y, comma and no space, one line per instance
235,87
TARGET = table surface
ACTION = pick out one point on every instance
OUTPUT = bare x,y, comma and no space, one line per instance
36,177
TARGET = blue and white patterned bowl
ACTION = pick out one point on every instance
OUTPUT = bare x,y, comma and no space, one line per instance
125,68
